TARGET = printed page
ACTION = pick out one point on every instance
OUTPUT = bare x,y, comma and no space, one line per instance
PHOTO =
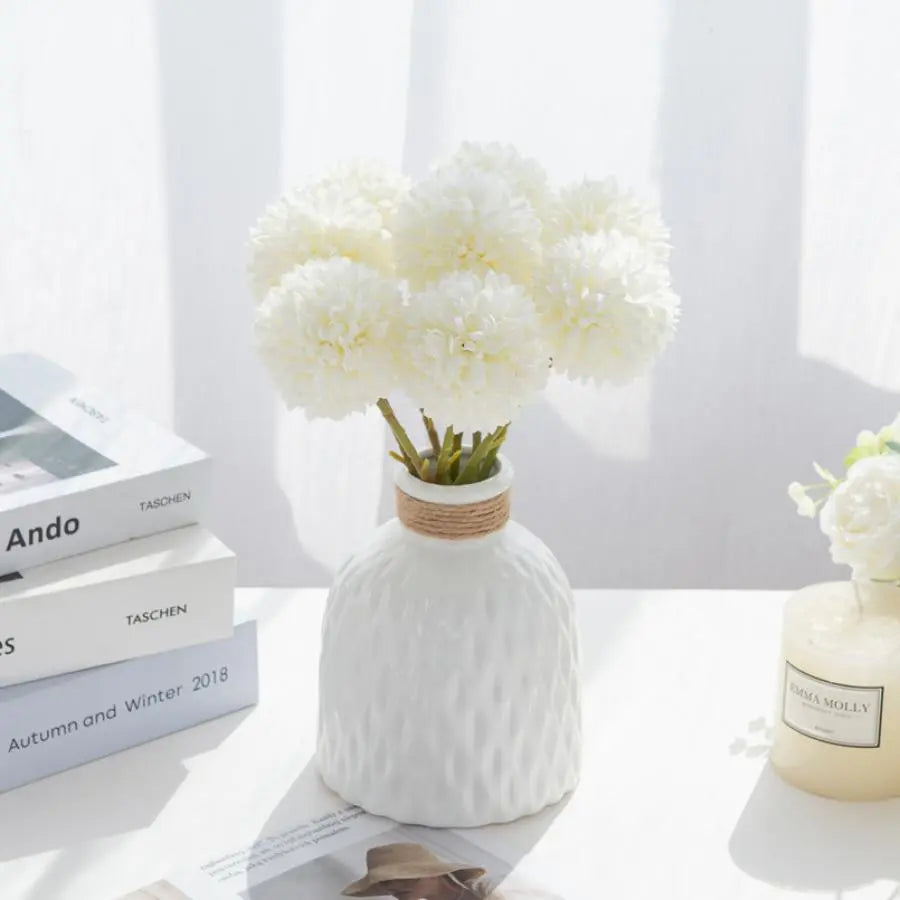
350,853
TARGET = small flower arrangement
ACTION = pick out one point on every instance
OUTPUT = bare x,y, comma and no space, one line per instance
461,290
860,512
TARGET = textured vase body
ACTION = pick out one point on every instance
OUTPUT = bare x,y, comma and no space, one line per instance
449,682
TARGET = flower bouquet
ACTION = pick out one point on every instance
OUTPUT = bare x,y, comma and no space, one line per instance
462,291
838,732
449,691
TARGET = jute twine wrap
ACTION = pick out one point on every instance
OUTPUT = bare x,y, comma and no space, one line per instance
453,522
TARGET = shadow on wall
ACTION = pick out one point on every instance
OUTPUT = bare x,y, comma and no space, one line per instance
708,507
221,112
735,412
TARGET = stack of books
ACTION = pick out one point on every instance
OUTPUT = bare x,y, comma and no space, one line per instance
116,607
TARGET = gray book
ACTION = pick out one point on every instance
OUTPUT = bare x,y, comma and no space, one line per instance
56,723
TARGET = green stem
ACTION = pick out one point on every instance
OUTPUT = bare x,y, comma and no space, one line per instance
431,431
400,435
444,457
405,460
451,463
472,468
444,465
496,438
457,451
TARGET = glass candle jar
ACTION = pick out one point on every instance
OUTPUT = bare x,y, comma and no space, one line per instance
837,727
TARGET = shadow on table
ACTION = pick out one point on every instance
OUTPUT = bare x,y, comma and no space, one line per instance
120,793
308,798
796,840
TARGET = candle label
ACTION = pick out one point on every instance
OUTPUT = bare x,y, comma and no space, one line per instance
844,714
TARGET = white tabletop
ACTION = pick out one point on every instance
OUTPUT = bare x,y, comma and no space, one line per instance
677,800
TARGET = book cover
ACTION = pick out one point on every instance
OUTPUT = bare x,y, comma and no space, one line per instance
54,724
78,471
144,596
346,852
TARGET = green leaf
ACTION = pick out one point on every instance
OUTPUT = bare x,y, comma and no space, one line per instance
826,476
856,454
892,445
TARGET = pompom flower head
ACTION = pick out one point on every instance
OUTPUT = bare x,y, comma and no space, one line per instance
465,219
591,206
606,306
473,350
326,335
524,176
345,213
372,182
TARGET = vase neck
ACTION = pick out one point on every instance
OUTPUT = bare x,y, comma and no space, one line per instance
454,522
452,511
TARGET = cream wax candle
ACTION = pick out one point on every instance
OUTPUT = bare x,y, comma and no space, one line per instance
837,728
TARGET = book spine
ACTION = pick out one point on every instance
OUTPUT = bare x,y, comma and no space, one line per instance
71,720
104,515
106,622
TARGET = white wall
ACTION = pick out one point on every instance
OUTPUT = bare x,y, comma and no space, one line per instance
138,141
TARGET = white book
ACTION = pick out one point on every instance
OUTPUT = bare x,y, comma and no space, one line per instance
78,471
145,596
54,724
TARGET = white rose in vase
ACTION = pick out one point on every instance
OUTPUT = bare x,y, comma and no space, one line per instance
862,518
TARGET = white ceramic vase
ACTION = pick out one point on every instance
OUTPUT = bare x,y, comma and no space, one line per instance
449,678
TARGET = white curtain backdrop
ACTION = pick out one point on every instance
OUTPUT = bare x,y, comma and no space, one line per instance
139,140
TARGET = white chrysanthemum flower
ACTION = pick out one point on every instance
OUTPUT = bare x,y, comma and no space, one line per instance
373,182
326,334
473,350
606,306
465,219
348,212
525,176
591,206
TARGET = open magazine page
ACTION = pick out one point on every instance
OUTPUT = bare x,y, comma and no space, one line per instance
350,853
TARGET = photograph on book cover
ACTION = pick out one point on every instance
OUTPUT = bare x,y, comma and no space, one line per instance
406,862
347,853
34,451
